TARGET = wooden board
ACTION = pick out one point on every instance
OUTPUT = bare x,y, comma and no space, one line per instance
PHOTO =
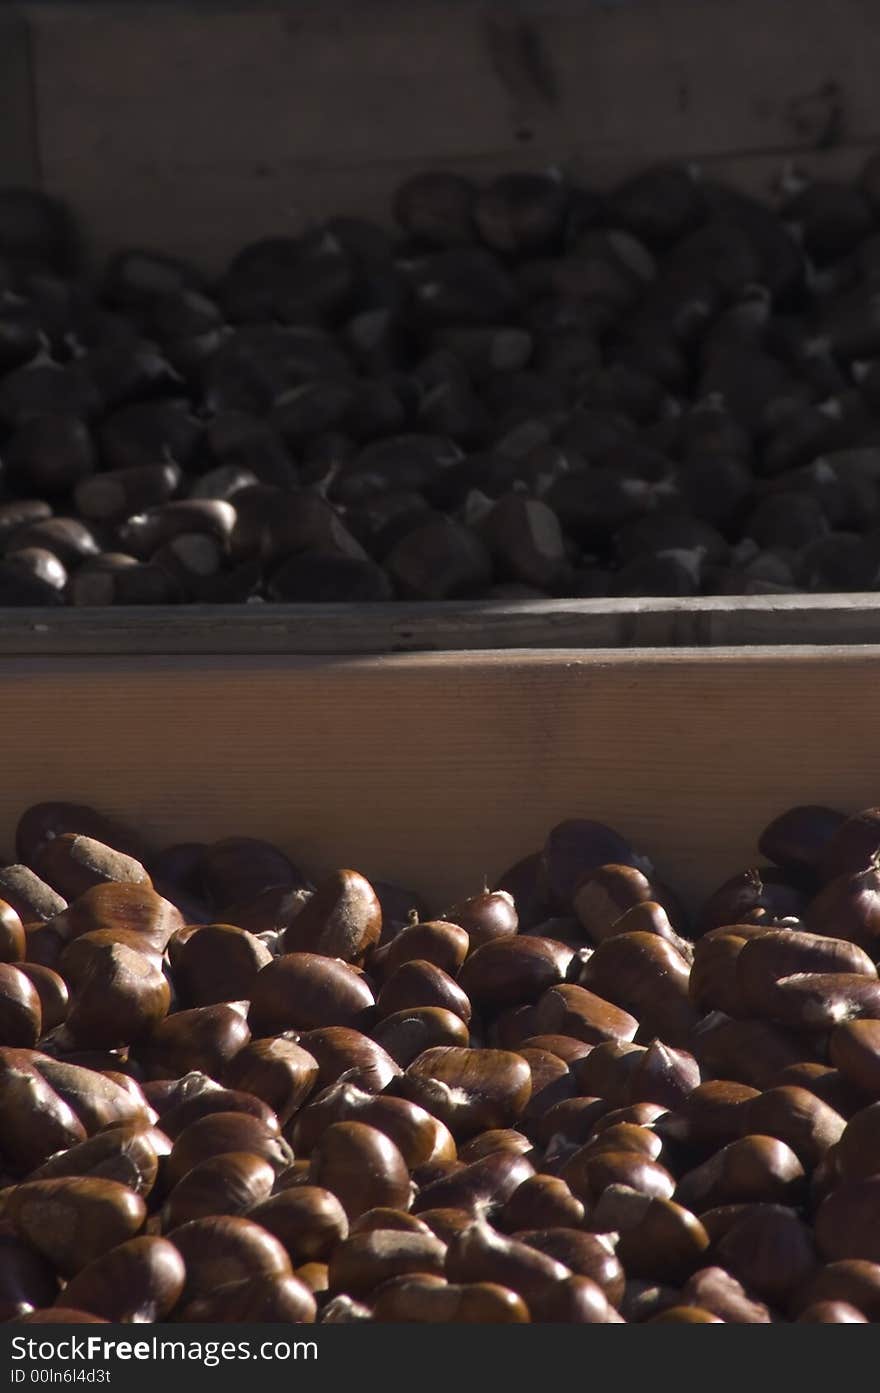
198,126
435,771
713,621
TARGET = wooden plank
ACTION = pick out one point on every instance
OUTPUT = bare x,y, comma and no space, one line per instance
436,772
19,163
709,622
198,127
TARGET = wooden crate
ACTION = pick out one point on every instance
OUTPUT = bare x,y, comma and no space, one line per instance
436,770
195,127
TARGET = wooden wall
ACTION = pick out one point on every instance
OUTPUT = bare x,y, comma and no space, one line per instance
195,126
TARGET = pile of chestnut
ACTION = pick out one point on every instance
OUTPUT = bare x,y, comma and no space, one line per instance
526,389
228,1094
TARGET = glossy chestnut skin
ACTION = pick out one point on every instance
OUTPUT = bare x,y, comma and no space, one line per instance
713,984
134,908
308,1220
362,1167
799,1118
854,1048
72,1220
540,1202
95,1098
51,988
480,1188
831,1313
420,1298
203,1038
515,1264
342,919
420,983
469,1090
512,970
278,1071
420,1137
140,1280
647,976
851,1280
225,1249
303,991
715,1290
407,1034
220,1133
364,1261
746,1051
666,1244
12,936
21,1012
267,1299
435,941
231,1183
485,917
117,994
27,1280
851,845
197,1101
772,1252
574,1010
848,907
751,1168
128,1153
217,963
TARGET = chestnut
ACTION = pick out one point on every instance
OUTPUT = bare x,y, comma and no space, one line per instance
21,1012
231,1183
267,1298
486,916
303,990
139,1280
435,941
363,1261
72,1220
406,1035
343,919
276,1070
480,1187
127,1153
576,847
419,983
511,970
716,1290
480,1254
219,1134
418,1297
753,1167
308,1220
224,1249
362,1167
217,963
469,1090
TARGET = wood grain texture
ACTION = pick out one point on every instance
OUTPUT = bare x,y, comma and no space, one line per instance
436,772
451,626
198,126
